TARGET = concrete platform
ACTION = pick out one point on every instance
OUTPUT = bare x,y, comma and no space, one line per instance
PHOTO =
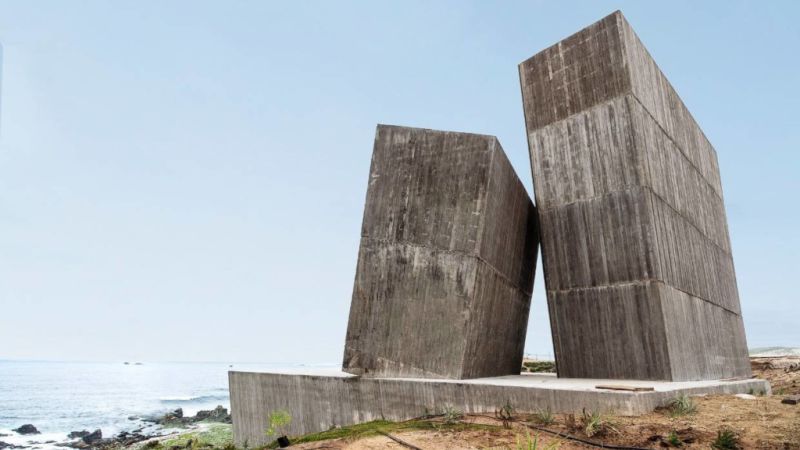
321,399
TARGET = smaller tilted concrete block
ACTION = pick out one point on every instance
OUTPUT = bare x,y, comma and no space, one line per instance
445,269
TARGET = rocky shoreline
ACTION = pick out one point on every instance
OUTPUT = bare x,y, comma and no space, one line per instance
85,439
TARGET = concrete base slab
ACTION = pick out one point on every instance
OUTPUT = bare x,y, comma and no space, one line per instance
321,399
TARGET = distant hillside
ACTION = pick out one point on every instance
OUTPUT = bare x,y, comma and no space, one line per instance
775,351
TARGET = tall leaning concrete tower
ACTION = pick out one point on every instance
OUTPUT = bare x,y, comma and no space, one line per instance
636,254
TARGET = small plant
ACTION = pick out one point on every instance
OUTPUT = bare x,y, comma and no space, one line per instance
751,391
595,424
682,405
726,440
544,416
152,444
278,421
505,414
673,439
571,422
229,447
539,366
451,415
532,443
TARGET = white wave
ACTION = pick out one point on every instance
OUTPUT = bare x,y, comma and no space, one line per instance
775,351
192,398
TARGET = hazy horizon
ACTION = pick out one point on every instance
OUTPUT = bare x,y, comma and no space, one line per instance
184,181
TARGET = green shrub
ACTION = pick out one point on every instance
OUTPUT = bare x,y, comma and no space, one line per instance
532,443
540,366
451,415
505,414
596,424
544,417
682,405
278,421
673,439
726,440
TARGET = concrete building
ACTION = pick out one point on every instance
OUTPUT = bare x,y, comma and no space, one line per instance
638,269
445,269
636,254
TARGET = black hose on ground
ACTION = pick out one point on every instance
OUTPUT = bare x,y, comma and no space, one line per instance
569,436
400,441
583,441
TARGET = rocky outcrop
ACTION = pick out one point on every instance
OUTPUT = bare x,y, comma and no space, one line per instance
27,429
218,414
95,440
176,418
78,434
6,445
93,437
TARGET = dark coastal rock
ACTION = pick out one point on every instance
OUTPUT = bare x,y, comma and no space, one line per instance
173,418
74,444
93,437
128,439
6,445
177,414
218,414
27,429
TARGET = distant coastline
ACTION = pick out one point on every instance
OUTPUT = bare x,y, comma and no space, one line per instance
774,351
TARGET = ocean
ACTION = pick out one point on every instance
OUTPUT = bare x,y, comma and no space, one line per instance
59,397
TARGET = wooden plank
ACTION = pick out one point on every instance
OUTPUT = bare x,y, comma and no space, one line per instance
622,387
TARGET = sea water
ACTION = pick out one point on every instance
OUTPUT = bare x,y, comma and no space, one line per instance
59,397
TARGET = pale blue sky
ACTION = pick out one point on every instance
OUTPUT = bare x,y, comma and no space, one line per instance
185,180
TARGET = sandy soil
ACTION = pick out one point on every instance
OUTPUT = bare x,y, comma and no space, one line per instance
473,439
783,373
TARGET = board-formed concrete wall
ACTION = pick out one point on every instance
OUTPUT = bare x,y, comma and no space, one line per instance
636,254
446,263
320,402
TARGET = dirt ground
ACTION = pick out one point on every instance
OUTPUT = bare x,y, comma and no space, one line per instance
762,422
470,439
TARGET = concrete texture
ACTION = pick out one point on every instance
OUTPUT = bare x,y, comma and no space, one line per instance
446,263
636,254
322,400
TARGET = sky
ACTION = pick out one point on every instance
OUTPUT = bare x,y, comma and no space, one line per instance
184,180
